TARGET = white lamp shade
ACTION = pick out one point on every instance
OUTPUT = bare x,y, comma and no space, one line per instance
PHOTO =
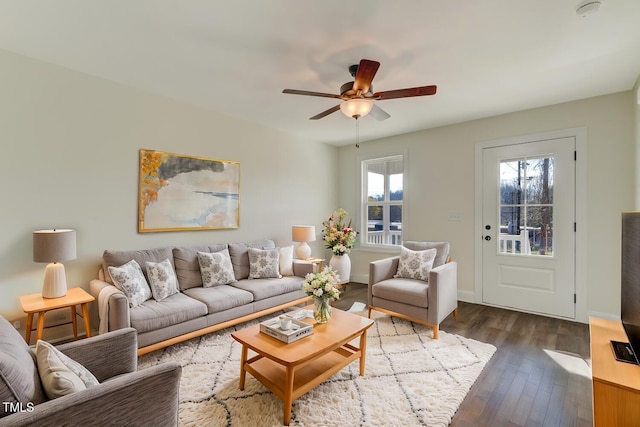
357,107
303,233
54,245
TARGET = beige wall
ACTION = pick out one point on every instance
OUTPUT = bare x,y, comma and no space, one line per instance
441,180
70,159
636,107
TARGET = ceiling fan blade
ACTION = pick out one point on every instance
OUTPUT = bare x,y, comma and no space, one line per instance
325,113
308,93
378,113
367,70
405,93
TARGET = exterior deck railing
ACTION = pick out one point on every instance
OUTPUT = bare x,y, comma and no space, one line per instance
378,237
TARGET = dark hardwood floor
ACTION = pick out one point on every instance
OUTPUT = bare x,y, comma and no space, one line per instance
538,375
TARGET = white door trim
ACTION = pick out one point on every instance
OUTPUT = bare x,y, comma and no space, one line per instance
580,135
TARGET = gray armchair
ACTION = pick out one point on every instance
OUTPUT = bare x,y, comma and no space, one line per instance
426,302
124,396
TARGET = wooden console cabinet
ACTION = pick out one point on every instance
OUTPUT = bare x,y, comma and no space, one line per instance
616,385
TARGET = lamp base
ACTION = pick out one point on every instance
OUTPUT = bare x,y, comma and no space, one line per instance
303,251
55,281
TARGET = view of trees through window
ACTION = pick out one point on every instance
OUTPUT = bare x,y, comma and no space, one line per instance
384,197
526,206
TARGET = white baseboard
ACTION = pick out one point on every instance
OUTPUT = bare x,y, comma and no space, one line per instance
359,278
466,296
603,315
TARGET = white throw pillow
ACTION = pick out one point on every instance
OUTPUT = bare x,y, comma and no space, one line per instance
286,261
216,268
415,264
264,263
162,279
130,280
61,375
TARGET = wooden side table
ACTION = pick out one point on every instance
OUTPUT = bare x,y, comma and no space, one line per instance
35,303
317,263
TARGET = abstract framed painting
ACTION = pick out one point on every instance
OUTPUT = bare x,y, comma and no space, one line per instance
178,192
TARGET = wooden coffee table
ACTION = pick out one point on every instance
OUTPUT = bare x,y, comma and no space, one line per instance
291,370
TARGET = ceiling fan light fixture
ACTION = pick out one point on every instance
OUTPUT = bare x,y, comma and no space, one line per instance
356,107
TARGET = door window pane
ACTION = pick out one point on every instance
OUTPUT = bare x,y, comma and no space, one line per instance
510,177
540,228
539,173
526,206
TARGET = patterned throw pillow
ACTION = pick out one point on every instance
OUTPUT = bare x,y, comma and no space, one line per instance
415,264
162,279
61,375
264,263
216,268
130,280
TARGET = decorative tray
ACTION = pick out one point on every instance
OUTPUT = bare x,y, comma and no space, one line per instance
299,329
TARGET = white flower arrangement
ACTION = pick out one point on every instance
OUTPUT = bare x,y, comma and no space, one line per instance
322,285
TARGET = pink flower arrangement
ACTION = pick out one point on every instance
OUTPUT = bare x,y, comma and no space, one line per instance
337,236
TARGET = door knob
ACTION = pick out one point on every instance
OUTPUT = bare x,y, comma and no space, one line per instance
487,238
487,227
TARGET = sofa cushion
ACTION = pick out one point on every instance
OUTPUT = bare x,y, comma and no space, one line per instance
130,279
116,258
61,375
407,291
266,288
162,279
240,255
19,379
187,266
221,297
153,314
286,260
216,268
264,263
415,264
442,249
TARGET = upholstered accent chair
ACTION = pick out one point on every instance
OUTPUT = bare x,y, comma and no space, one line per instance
420,285
124,395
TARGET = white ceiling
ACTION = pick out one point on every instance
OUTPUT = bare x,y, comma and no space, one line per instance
235,56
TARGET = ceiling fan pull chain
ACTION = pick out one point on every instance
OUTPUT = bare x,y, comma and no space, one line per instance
357,131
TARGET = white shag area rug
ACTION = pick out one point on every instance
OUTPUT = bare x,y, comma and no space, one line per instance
410,380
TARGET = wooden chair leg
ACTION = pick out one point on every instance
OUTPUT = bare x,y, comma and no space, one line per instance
436,328
455,313
369,313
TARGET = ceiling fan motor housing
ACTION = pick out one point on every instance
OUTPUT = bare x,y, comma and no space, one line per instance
347,90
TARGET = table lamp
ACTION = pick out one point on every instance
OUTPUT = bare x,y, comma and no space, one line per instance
53,246
303,234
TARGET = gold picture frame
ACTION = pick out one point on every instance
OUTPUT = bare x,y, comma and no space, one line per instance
177,192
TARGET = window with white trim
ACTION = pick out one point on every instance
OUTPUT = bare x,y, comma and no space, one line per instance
382,196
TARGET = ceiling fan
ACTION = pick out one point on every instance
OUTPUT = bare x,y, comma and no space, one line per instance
358,95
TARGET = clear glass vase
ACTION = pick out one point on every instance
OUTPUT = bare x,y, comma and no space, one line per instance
321,310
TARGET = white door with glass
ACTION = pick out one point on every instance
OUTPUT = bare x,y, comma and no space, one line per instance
528,214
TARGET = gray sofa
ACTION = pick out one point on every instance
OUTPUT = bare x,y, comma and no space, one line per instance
195,310
124,396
